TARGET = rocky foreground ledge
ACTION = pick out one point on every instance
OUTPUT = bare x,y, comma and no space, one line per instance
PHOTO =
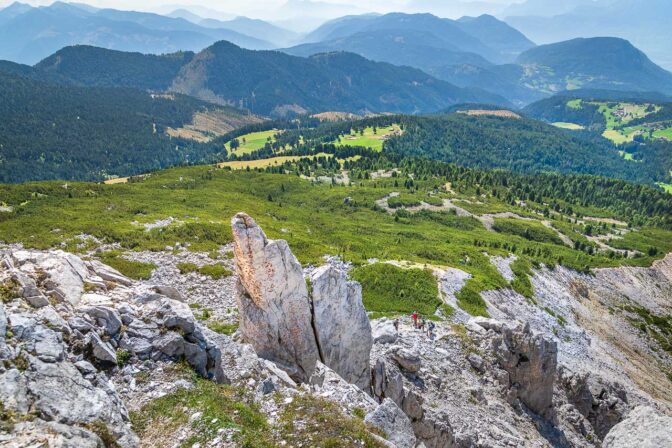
75,335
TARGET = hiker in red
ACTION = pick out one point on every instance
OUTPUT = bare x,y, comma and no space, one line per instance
415,319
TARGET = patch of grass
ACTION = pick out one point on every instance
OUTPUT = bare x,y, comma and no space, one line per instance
223,328
656,326
253,141
575,104
123,356
390,289
215,271
569,126
133,269
369,137
316,422
9,290
221,407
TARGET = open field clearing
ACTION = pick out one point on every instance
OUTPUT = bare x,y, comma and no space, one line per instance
489,113
263,163
252,142
370,137
570,126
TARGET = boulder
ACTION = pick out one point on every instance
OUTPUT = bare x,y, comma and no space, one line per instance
106,318
383,331
29,290
643,428
48,345
101,351
407,359
387,382
64,273
169,291
394,423
38,433
273,300
341,325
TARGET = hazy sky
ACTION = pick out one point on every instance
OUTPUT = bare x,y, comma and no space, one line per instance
266,8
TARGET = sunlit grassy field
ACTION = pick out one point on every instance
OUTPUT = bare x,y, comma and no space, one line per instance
252,142
369,138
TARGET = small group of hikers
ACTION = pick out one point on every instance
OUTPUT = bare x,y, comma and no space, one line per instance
420,323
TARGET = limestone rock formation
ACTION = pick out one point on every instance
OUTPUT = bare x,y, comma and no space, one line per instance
294,327
643,428
273,300
529,359
342,326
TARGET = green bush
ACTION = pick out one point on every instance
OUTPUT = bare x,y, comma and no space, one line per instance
390,289
470,300
530,230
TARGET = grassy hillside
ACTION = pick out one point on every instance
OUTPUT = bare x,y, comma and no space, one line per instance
316,218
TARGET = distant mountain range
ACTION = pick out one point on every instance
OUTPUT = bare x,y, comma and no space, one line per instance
484,52
645,23
29,34
469,59
266,82
484,36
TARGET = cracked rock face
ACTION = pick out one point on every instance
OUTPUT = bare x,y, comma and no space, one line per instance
342,326
273,300
294,327
530,360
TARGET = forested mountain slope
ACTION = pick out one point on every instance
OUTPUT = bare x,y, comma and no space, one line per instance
50,131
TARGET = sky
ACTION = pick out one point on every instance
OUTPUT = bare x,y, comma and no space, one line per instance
280,10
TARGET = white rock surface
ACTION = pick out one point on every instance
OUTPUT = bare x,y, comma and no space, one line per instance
273,300
394,423
342,326
643,428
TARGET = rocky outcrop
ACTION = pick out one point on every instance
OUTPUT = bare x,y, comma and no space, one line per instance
529,359
643,428
342,327
56,358
394,423
603,404
290,325
273,300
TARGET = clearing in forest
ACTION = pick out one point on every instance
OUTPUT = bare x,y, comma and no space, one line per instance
251,142
370,137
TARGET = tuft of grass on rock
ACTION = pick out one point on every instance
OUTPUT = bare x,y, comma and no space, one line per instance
220,407
133,269
316,422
